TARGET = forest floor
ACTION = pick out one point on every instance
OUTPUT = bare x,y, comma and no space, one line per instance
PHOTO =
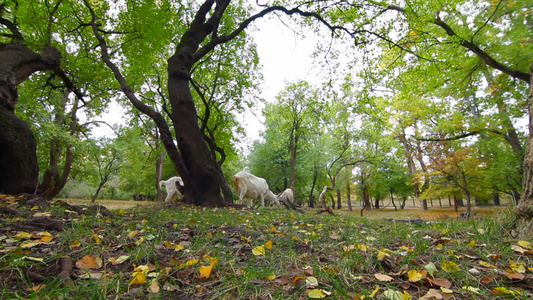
169,251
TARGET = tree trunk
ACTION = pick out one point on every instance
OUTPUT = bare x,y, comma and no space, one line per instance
348,195
392,199
19,170
159,176
496,198
524,210
311,197
339,198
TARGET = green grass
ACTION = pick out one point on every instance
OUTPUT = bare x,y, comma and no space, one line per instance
341,252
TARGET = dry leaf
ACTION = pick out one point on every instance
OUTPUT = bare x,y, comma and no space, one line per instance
298,282
154,286
383,277
268,244
432,294
89,262
75,244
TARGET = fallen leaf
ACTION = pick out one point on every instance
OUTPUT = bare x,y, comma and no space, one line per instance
525,244
505,291
382,255
383,277
96,239
415,276
311,282
432,294
471,289
514,276
89,262
259,250
440,282
298,282
74,244
449,266
431,268
46,239
374,292
268,244
154,286
23,235
317,293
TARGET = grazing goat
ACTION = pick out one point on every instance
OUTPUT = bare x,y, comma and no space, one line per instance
252,187
170,186
287,198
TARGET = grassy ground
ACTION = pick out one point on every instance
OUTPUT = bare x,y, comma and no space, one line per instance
176,252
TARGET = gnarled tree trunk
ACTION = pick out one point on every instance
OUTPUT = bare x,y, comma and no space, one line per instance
19,170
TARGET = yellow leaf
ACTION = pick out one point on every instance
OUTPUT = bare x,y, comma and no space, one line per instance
268,244
415,276
22,235
317,293
383,277
74,244
179,248
132,234
139,278
35,207
139,241
518,268
46,239
189,263
446,290
472,243
259,250
169,244
374,292
29,244
525,244
205,271
471,289
449,266
39,259
486,264
272,276
96,239
382,255
504,291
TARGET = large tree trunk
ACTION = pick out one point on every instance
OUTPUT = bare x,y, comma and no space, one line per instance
203,182
19,170
524,210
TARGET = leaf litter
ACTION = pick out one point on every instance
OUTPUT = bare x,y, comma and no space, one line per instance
196,253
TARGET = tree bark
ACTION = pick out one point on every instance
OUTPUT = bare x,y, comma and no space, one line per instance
524,210
19,170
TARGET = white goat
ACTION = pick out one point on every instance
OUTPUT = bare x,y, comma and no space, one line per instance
170,186
252,187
